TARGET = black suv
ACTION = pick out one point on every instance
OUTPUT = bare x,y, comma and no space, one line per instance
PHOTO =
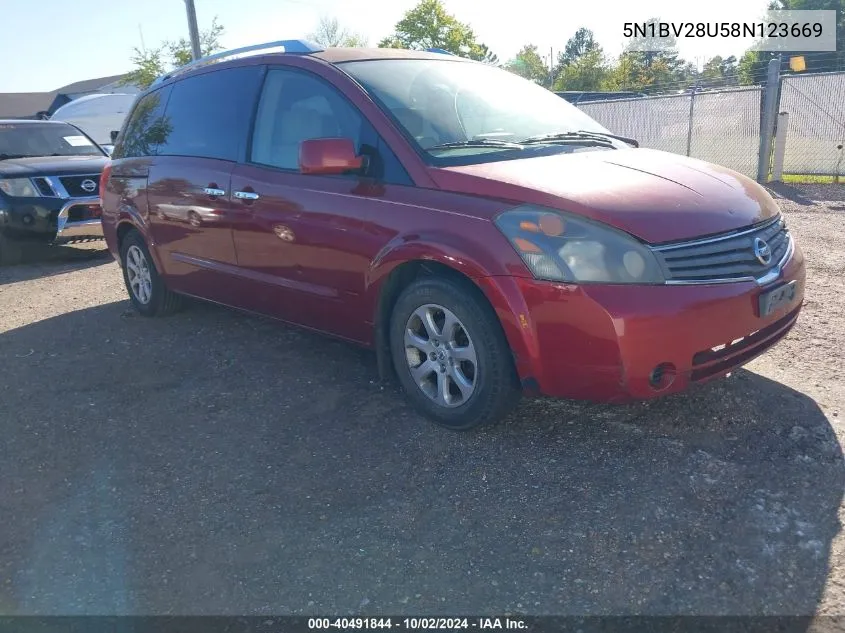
49,184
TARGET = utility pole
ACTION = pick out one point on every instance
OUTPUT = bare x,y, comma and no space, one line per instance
193,29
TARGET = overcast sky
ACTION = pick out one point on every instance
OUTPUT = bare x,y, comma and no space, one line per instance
46,44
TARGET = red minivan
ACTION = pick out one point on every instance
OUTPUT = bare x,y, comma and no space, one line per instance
483,235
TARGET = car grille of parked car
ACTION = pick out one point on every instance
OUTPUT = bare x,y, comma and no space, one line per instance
75,185
728,257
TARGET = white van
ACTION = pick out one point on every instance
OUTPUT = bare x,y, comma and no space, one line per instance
97,115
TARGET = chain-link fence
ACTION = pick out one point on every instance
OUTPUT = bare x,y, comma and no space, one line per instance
725,125
656,122
816,132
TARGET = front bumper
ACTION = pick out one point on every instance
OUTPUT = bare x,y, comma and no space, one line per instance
80,217
617,343
50,218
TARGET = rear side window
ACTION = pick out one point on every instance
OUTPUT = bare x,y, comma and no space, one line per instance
146,128
209,115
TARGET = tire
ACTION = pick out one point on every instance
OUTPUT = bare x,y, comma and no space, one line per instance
11,251
449,388
147,291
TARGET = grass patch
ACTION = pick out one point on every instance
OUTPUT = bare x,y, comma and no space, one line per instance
808,179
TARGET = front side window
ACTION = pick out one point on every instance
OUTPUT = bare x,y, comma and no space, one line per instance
208,115
27,139
442,102
294,107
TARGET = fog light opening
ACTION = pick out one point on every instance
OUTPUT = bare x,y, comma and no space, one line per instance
662,376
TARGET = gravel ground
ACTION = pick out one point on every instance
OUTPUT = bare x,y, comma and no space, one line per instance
216,463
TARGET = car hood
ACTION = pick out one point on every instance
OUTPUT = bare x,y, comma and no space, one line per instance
51,166
656,196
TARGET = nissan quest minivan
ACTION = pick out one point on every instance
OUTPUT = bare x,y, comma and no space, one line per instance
483,235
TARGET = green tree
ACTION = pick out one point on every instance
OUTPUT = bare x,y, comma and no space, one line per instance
484,54
578,45
589,72
150,64
330,34
180,50
581,44
657,69
528,64
719,72
429,25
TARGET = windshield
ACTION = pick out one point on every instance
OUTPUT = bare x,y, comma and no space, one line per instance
28,139
441,102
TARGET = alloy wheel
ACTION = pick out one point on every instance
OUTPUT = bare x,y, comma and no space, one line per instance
441,356
138,274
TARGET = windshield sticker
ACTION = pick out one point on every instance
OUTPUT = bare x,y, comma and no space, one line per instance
77,141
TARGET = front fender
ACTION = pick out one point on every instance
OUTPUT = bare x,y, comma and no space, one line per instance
494,275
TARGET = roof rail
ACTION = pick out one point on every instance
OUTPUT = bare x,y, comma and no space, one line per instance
287,46
438,50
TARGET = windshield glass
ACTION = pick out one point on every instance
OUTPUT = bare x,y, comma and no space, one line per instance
446,101
29,139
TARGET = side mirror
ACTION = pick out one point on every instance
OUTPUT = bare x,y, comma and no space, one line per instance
113,134
329,156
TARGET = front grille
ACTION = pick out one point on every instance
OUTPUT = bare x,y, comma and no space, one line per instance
725,257
73,185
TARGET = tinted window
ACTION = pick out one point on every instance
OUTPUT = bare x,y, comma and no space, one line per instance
208,115
146,128
297,106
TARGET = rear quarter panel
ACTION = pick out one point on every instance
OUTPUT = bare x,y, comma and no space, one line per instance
125,203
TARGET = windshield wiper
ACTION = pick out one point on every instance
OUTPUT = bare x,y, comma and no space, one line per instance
597,138
11,156
480,142
624,139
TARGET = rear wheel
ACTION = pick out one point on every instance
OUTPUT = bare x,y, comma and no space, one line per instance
450,354
146,288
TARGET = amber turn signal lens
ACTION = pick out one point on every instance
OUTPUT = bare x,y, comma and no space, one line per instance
525,246
529,226
551,224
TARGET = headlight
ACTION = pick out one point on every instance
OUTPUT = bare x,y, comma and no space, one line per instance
19,188
563,247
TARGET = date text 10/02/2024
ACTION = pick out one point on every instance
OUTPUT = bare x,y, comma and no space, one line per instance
412,624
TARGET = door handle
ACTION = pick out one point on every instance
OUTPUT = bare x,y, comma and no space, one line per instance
247,195
211,191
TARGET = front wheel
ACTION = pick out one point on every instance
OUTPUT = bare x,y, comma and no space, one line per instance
450,354
147,291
